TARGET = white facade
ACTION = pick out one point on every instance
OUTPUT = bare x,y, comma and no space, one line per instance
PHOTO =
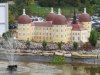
78,36
3,18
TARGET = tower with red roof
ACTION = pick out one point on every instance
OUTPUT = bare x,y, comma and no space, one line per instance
85,19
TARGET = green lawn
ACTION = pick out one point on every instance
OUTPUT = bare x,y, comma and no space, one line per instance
43,11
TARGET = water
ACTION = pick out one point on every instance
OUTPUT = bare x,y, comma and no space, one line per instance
20,71
50,69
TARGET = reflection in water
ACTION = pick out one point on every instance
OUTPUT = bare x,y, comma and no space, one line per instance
67,69
44,69
49,69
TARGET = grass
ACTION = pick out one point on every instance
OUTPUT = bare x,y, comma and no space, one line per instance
58,59
43,11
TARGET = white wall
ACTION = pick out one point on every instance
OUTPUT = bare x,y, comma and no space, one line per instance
3,18
76,36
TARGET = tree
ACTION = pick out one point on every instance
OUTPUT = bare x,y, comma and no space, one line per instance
75,45
23,4
28,44
6,35
11,18
1,1
98,35
44,44
93,37
60,45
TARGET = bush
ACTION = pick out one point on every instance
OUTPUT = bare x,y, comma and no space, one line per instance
75,45
44,44
58,59
60,45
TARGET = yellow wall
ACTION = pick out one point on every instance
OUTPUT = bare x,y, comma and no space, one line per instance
56,33
61,33
88,26
24,32
42,33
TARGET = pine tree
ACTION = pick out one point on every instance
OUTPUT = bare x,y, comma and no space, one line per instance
93,37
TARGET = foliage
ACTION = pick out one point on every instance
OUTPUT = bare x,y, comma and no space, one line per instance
23,4
6,35
93,37
58,2
44,44
92,5
28,44
60,45
58,59
87,46
11,17
75,45
1,1
98,35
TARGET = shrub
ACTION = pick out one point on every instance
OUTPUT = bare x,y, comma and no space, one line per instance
44,44
75,45
58,59
60,45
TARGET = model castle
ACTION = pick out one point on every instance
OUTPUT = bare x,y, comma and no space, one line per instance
55,28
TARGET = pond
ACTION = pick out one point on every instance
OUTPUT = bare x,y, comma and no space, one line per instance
35,68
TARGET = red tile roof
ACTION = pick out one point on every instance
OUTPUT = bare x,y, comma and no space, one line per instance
51,16
24,19
84,17
60,20
45,24
78,27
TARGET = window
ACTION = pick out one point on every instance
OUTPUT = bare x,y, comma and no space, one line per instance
78,33
23,28
36,19
61,36
56,35
23,34
65,35
73,38
53,36
78,38
47,33
57,30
